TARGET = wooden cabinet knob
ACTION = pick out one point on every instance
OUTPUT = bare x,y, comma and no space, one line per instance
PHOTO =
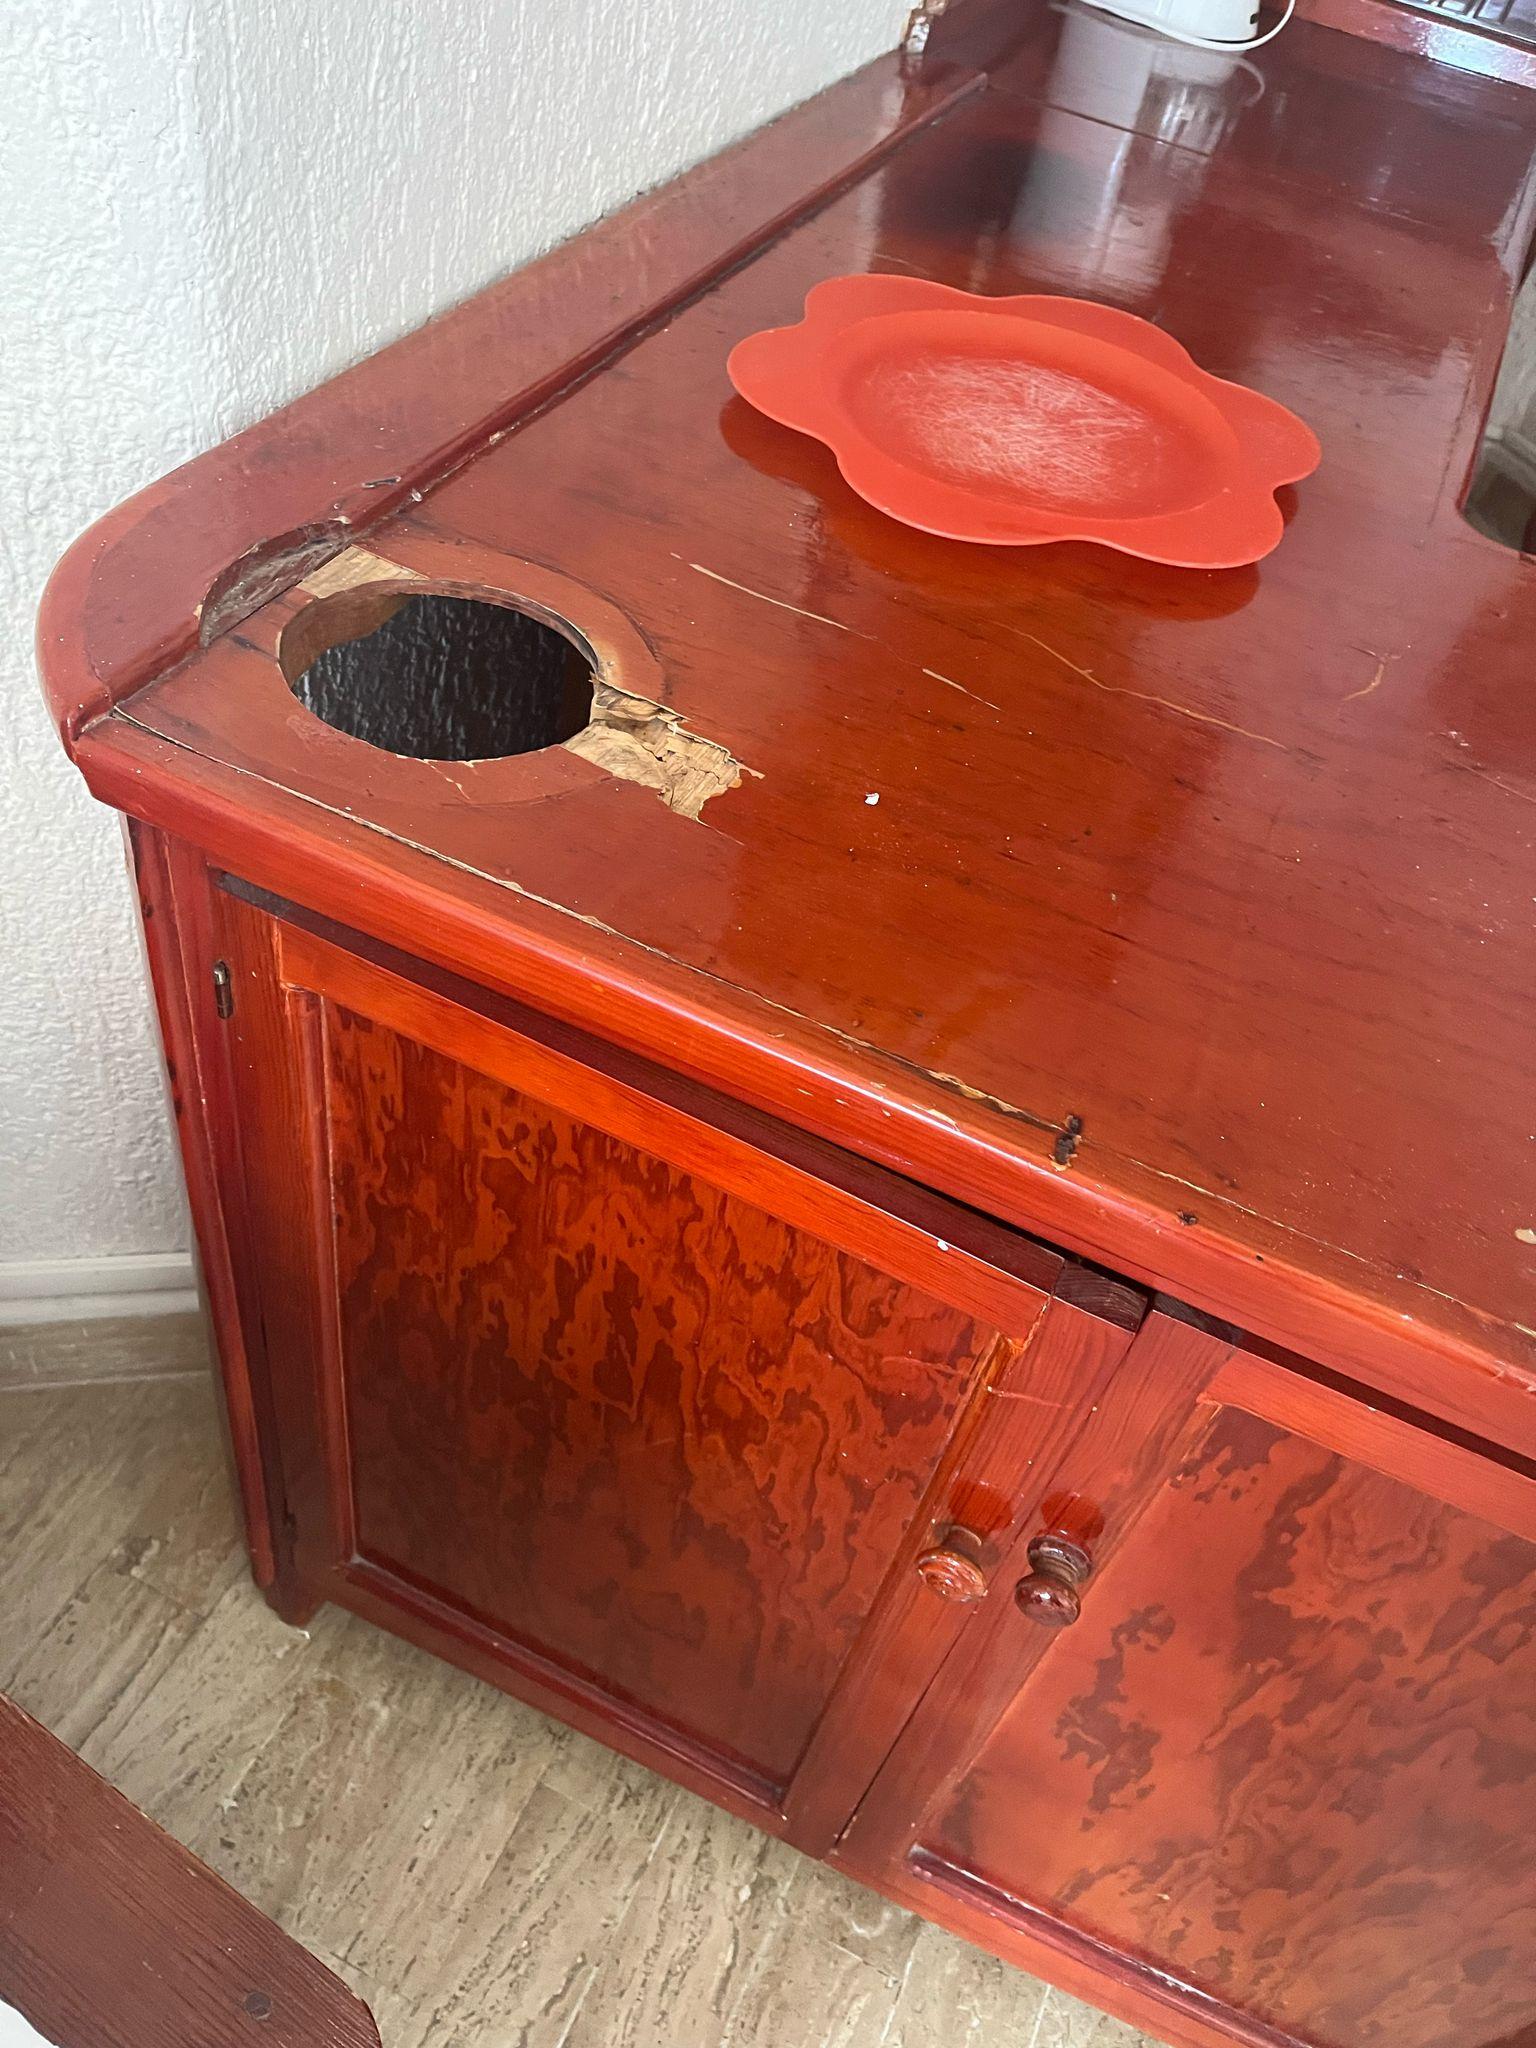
953,1567
1058,1567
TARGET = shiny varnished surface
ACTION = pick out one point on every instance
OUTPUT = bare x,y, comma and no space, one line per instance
181,560
1233,867
635,1404
646,1428
1273,1784
1337,115
542,1123
1482,49
1288,1753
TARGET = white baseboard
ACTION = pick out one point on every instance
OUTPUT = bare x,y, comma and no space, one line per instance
80,1290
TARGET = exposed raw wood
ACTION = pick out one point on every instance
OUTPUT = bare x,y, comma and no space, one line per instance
642,742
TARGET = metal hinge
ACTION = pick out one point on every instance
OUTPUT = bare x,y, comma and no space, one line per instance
223,989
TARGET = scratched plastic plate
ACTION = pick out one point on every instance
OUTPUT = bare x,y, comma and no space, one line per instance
1020,420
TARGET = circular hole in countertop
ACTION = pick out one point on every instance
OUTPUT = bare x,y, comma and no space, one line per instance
441,678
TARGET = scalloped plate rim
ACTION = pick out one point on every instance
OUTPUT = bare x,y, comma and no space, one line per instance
774,370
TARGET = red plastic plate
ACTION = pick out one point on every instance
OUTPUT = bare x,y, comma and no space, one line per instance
1029,419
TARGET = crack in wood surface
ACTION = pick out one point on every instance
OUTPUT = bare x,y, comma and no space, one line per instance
264,572
962,689
1262,739
1526,796
971,1094
1373,685
779,603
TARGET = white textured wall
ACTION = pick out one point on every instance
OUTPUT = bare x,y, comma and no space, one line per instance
208,208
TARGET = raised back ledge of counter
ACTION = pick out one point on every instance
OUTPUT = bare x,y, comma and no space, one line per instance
189,556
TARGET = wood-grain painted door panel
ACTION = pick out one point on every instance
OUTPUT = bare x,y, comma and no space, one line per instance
621,1406
633,1421
1287,1755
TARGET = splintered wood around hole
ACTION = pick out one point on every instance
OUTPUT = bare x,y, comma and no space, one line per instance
443,676
638,741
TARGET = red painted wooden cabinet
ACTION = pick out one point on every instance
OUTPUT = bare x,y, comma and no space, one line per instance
1187,1676
628,1399
706,1076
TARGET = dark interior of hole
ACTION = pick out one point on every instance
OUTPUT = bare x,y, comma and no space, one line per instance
450,679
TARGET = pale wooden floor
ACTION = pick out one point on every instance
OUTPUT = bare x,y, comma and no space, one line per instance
480,1874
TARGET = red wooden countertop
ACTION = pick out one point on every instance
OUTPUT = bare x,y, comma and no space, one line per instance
1235,868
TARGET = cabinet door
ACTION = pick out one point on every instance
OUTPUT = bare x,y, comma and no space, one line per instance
633,1409
1277,1780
